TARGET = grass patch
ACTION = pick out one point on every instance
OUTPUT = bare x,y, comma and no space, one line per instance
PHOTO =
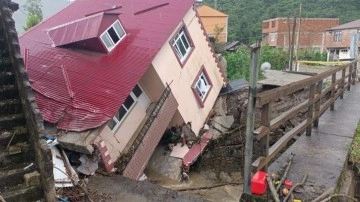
355,149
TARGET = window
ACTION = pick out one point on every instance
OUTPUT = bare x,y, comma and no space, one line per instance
201,86
113,35
272,36
337,36
128,104
182,44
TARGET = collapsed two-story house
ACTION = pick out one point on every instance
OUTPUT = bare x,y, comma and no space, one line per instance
113,75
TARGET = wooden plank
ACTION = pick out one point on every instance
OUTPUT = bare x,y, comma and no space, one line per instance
261,132
333,83
270,95
274,149
342,85
353,74
276,122
310,113
318,91
265,121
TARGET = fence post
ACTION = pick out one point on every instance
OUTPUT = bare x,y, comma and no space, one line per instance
265,121
333,81
349,78
254,66
310,109
318,103
342,84
354,73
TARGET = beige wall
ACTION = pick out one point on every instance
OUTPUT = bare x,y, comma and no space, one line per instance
116,141
182,78
166,69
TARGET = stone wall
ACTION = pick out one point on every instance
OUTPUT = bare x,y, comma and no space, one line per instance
34,121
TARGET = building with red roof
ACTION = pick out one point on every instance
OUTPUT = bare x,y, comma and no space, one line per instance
113,75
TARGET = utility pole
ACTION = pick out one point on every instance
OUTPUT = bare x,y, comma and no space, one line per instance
292,46
289,34
254,68
215,4
298,38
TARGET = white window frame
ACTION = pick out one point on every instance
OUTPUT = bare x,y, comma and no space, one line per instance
337,36
107,35
202,94
119,122
178,37
272,37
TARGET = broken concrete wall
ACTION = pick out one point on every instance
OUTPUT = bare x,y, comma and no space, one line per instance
33,117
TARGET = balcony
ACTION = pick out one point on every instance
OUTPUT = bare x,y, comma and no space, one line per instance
133,162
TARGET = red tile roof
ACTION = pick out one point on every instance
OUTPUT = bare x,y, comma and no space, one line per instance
78,89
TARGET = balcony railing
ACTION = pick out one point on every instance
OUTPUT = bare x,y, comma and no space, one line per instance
125,158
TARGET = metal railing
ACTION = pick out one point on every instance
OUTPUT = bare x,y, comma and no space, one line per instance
125,158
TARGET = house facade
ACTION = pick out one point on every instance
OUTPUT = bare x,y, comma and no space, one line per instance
278,32
338,40
215,23
113,75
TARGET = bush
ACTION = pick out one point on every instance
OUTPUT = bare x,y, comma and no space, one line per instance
238,63
276,57
312,55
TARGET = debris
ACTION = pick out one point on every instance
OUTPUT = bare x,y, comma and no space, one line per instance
63,172
206,127
340,195
12,137
184,177
258,183
285,191
222,123
143,177
209,187
32,179
27,167
272,189
89,164
295,186
196,150
178,151
323,195
285,173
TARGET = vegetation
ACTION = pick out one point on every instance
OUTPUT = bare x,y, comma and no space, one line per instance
355,149
311,55
245,17
238,63
33,8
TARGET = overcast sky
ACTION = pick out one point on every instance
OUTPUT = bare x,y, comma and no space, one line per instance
50,7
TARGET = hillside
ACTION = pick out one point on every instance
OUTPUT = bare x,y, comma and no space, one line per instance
245,16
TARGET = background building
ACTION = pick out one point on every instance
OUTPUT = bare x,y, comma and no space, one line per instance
278,32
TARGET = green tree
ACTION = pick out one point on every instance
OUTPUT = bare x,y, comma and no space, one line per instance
33,8
31,20
238,63
276,57
245,17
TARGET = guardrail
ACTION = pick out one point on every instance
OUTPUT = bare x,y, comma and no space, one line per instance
317,91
